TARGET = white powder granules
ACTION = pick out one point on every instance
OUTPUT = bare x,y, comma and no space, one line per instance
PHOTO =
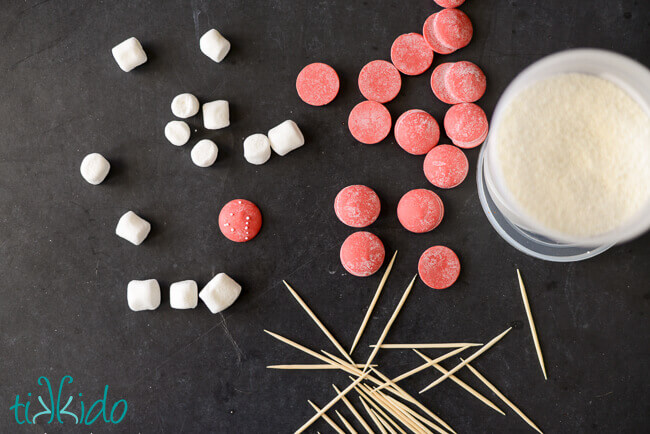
574,151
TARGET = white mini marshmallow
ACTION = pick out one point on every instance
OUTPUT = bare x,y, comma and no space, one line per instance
183,295
133,228
129,54
204,153
94,168
257,149
216,115
185,105
220,293
143,294
214,45
177,132
286,137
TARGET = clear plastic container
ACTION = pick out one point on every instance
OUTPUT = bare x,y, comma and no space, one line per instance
504,213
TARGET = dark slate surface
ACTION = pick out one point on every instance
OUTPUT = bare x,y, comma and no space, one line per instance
64,272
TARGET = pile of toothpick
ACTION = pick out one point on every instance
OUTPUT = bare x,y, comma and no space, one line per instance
389,407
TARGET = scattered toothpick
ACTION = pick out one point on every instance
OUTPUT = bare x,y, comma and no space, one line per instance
312,366
330,404
373,416
318,322
379,414
425,346
462,384
390,322
424,366
509,403
376,405
354,411
328,419
345,423
532,324
469,359
373,302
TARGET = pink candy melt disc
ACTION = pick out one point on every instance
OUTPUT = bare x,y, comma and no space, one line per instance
240,220
417,132
411,54
357,206
439,267
362,254
446,166
379,81
420,210
317,84
369,122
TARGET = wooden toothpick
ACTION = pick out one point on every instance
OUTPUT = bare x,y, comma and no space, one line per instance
501,396
425,346
311,366
354,411
532,324
330,404
469,359
390,322
318,322
462,384
345,423
373,302
327,419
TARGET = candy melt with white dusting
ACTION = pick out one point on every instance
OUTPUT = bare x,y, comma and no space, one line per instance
574,154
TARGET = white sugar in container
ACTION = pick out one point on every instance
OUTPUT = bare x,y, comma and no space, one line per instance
565,171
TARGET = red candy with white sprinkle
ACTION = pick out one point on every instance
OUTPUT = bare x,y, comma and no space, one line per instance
240,220
317,84
453,28
420,211
362,254
369,122
466,125
446,166
357,206
439,267
465,82
417,132
379,81
411,54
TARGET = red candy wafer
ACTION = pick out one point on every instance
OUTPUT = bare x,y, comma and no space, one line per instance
417,132
452,28
439,85
411,54
369,122
430,36
379,81
420,211
362,254
317,84
240,220
357,206
465,82
449,3
465,124
446,166
439,267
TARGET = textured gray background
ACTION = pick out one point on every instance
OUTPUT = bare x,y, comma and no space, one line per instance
64,272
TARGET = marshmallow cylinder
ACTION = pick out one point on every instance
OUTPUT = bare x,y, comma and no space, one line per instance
133,228
143,295
220,293
257,149
204,153
177,132
129,54
185,105
216,115
94,168
286,137
214,45
183,295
